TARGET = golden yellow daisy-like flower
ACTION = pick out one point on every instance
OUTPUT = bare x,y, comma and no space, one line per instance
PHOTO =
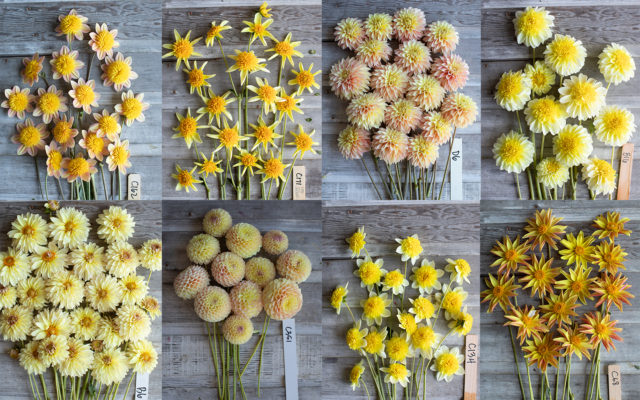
122,259
533,26
132,107
228,137
84,95
545,115
288,105
85,323
543,229
78,168
72,26
103,293
117,72
69,227
182,48
65,290
264,134
303,142
109,366
541,76
459,270
151,255
398,348
610,226
355,337
247,161
338,297
30,137
572,145
197,79
264,10
542,351
79,359
151,305
97,146
513,90
511,254
448,363
115,224
616,64
425,277
599,175
451,300
285,49
134,289
376,342
612,289
143,357
49,261
216,106
29,233
15,323
106,124
559,308
133,322
423,340
539,275
410,248
187,128
396,373
582,96
369,272
375,308
304,79
422,308
14,267
565,55
265,93
461,323
273,168
355,374
357,242
32,67
551,173
50,103
601,329
8,296
499,291
215,32
103,41
185,179
407,322
18,102
614,125
54,159
577,282
394,281
572,341
247,62
31,293
513,152
209,165
528,322
48,323
258,29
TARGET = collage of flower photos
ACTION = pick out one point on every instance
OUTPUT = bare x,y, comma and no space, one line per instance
319,199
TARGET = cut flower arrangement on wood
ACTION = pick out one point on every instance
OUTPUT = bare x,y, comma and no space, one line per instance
400,335
60,116
230,287
75,308
244,147
556,290
560,101
404,103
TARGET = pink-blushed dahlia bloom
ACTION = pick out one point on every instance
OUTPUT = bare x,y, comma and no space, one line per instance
366,111
294,265
282,299
353,142
425,91
190,281
349,33
379,26
18,102
373,52
402,115
237,329
349,78
441,37
275,242
212,304
422,152
451,71
244,240
390,145
436,128
227,269
413,56
246,299
389,81
459,109
409,23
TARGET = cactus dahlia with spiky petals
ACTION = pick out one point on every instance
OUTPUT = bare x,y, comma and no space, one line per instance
413,56
409,23
441,37
353,142
373,52
390,145
402,115
426,91
436,128
390,81
349,33
422,152
366,111
451,71
459,109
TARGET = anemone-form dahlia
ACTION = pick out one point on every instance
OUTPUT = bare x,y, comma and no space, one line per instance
545,115
402,115
227,269
294,265
459,109
366,111
413,56
552,173
616,64
436,128
533,26
513,152
275,242
260,270
451,71
389,81
379,26
349,78
349,33
422,152
390,145
565,55
237,329
582,96
441,37
373,52
541,76
408,24
599,176
216,222
212,304
614,125
202,248
513,90
190,281
572,145
282,299
244,240
353,142
246,299
425,91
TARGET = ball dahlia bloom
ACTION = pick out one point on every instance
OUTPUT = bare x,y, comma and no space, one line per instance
582,96
545,115
227,269
212,304
294,265
513,90
246,299
244,240
565,55
237,329
190,281
599,176
216,222
282,299
275,242
614,125
390,145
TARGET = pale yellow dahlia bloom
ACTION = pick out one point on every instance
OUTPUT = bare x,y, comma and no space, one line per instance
104,293
565,55
31,292
115,224
409,248
14,267
65,290
49,261
54,349
8,296
29,232
87,260
599,175
121,259
15,323
31,358
109,366
513,152
552,173
573,145
85,322
396,373
582,96
79,359
422,152
133,322
143,357
134,289
545,115
375,308
614,125
513,90
533,26
49,323
109,333
69,227
541,76
459,270
379,26
151,255
425,277
616,64
448,363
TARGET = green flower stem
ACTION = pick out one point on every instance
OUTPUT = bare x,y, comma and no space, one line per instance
432,185
405,277
235,367
526,364
284,185
446,168
375,377
261,353
393,183
384,181
269,191
567,375
282,139
60,189
542,148
515,360
255,349
401,187
517,176
213,355
244,395
36,396
370,178
226,65
126,393
35,161
280,70
555,395
532,193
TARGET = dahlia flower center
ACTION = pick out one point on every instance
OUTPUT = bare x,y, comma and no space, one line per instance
452,301
559,308
12,319
246,61
546,110
71,24
622,60
85,94
229,137
146,358
579,250
216,105
188,127
94,143
118,71
248,160
131,108
273,168
49,103
305,79
8,261
18,101
285,49
184,177
125,256
447,364
577,287
65,64
51,330
584,92
78,166
426,277
259,29
615,123
196,77
214,31
510,255
70,226
569,144
532,23
55,160
32,293
48,256
304,142
29,136
267,94
182,48
539,275
104,40
374,306
108,124
393,279
510,86
498,291
62,132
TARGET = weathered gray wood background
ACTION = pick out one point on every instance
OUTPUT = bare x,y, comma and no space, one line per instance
347,179
148,226
592,22
301,18
499,218
29,27
188,371
445,230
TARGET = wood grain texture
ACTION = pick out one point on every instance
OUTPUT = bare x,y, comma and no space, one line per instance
301,18
347,179
596,25
445,230
497,369
29,28
148,226
188,371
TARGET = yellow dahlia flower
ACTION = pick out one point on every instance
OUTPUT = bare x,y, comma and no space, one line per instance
425,277
398,348
357,242
616,64
87,260
150,255
14,267
533,26
72,26
366,111
573,145
31,358
369,272
513,152
407,322
69,227
104,293
79,359
394,281
355,374
459,270
451,300
422,308
84,323
182,48
599,175
237,329
54,350
8,296
115,224
448,362
541,76
461,323
15,323
338,297
614,125
424,339
513,90
49,323
151,305
29,232
65,290
583,97
109,366
121,259
117,71
134,289
552,173
410,248
109,333
247,62
103,41
18,102
143,357
133,323
49,261
545,115
565,55
396,373
375,342
31,292
355,337
375,308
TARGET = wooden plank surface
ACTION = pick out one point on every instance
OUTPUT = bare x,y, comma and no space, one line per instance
509,217
596,25
28,28
347,179
188,371
301,18
148,226
445,230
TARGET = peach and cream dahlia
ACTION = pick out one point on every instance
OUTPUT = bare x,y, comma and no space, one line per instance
244,240
30,137
349,33
413,56
227,269
18,102
237,329
451,71
202,249
390,145
409,23
366,111
281,299
353,142
422,152
294,265
190,281
246,299
402,115
425,91
379,26
212,304
373,52
389,81
459,109
436,128
275,242
441,37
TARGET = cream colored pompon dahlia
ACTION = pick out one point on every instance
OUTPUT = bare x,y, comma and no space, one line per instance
282,299
202,249
217,222
513,152
582,96
545,115
533,26
572,145
115,224
275,242
260,270
614,125
228,269
212,304
616,64
244,240
599,175
237,329
246,299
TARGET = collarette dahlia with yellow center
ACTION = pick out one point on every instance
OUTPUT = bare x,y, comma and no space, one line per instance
425,277
18,102
610,226
84,95
375,308
103,41
119,155
65,64
448,363
50,103
106,124
72,26
32,67
132,107
78,168
369,272
117,72
30,137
